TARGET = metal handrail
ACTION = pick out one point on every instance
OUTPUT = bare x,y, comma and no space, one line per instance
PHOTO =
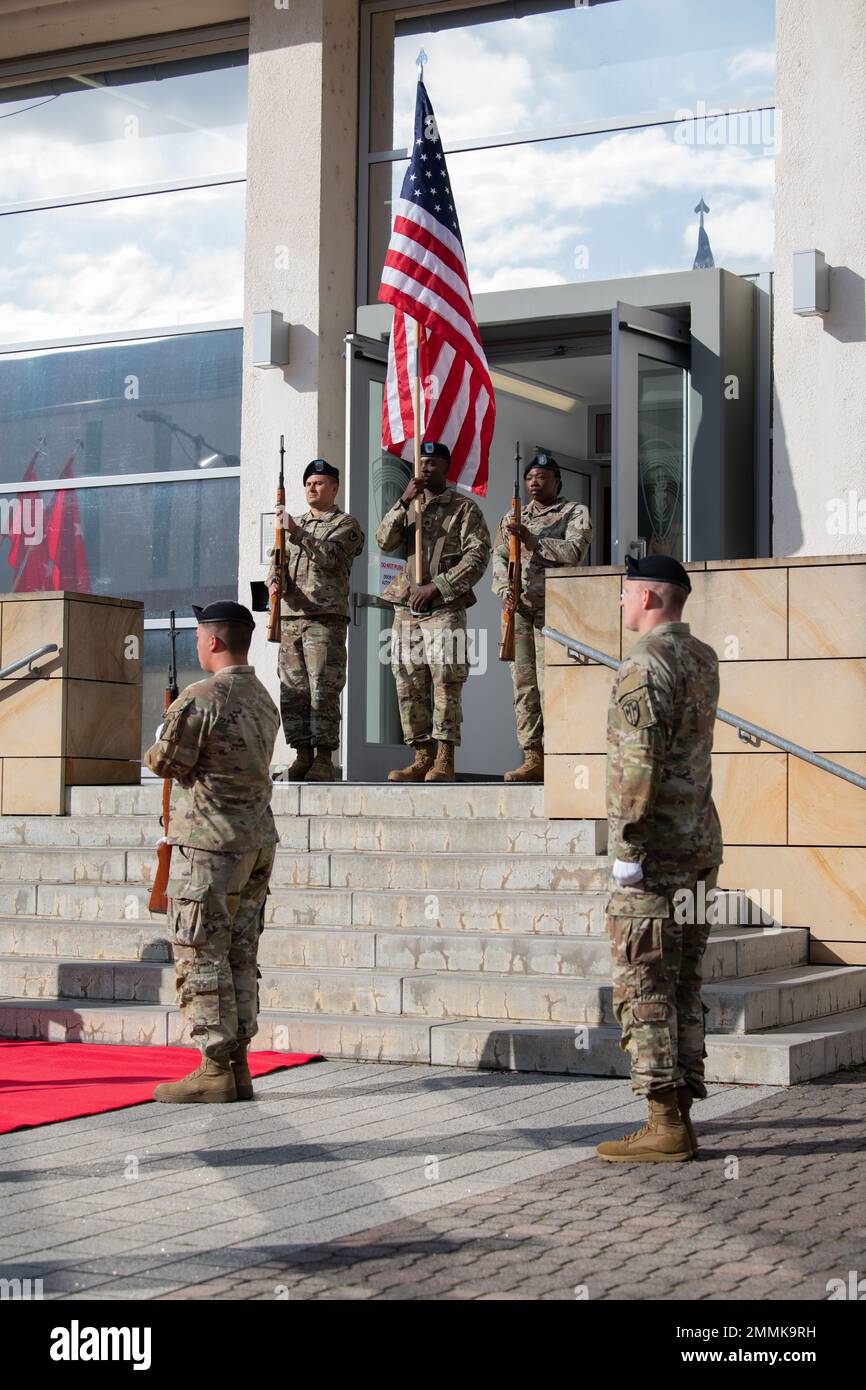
744,727
28,661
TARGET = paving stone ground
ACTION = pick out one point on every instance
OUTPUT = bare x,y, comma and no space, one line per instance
352,1180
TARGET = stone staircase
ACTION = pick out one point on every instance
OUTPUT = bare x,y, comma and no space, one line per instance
444,924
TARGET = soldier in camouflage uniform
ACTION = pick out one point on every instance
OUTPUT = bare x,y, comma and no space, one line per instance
216,745
429,657
321,545
552,533
665,839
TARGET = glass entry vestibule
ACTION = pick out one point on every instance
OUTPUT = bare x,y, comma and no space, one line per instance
644,390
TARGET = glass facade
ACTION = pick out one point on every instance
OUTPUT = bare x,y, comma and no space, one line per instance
146,406
597,129
158,261
122,195
121,129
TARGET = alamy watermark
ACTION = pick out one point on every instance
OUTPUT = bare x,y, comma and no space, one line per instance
444,647
22,516
846,516
708,125
719,907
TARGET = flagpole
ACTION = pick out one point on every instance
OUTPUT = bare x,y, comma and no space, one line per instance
419,577
419,550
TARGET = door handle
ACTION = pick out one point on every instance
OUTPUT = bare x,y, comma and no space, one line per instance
367,601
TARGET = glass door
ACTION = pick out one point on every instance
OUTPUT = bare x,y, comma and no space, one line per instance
650,362
372,737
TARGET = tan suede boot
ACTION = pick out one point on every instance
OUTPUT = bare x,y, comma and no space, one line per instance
532,767
663,1139
303,762
241,1072
443,768
210,1084
685,1098
322,769
417,771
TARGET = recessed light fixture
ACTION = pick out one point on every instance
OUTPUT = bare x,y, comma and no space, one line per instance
533,391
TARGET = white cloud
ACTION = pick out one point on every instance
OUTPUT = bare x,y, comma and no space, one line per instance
74,167
128,287
738,231
752,62
516,278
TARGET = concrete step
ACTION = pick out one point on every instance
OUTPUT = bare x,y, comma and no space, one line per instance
394,834
122,832
118,942
731,951
780,1056
484,835
377,872
735,1006
563,914
765,1001
471,800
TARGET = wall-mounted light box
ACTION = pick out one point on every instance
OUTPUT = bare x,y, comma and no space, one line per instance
270,339
811,286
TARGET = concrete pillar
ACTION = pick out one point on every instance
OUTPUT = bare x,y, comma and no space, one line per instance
299,259
819,436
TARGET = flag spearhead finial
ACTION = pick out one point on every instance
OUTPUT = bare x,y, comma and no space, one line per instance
419,63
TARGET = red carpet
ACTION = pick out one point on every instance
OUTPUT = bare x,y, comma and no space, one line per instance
43,1082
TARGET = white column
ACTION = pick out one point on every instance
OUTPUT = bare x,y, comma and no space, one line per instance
299,258
820,363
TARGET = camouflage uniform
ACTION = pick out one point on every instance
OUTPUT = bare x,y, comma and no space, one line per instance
216,744
315,614
565,532
659,801
429,657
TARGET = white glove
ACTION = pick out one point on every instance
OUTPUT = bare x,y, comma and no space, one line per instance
625,874
159,728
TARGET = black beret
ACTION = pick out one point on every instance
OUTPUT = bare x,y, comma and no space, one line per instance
542,460
435,450
224,613
322,468
664,568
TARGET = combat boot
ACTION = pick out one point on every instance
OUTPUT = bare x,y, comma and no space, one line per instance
685,1098
532,767
417,771
443,768
298,770
663,1139
210,1084
322,769
241,1072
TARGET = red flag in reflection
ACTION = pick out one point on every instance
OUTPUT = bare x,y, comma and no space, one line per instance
60,561
16,542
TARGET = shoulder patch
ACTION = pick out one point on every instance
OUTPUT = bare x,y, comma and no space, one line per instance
637,706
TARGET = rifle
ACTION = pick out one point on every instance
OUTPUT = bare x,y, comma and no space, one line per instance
158,899
279,555
506,645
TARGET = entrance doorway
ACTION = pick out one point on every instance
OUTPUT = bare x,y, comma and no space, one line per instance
628,398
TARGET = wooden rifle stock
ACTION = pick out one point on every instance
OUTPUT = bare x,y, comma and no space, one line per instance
506,645
274,625
158,901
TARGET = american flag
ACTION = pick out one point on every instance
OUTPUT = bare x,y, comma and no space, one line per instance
425,279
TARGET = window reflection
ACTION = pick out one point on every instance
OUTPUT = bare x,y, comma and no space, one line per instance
168,544
163,259
135,407
568,65
598,207
92,132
